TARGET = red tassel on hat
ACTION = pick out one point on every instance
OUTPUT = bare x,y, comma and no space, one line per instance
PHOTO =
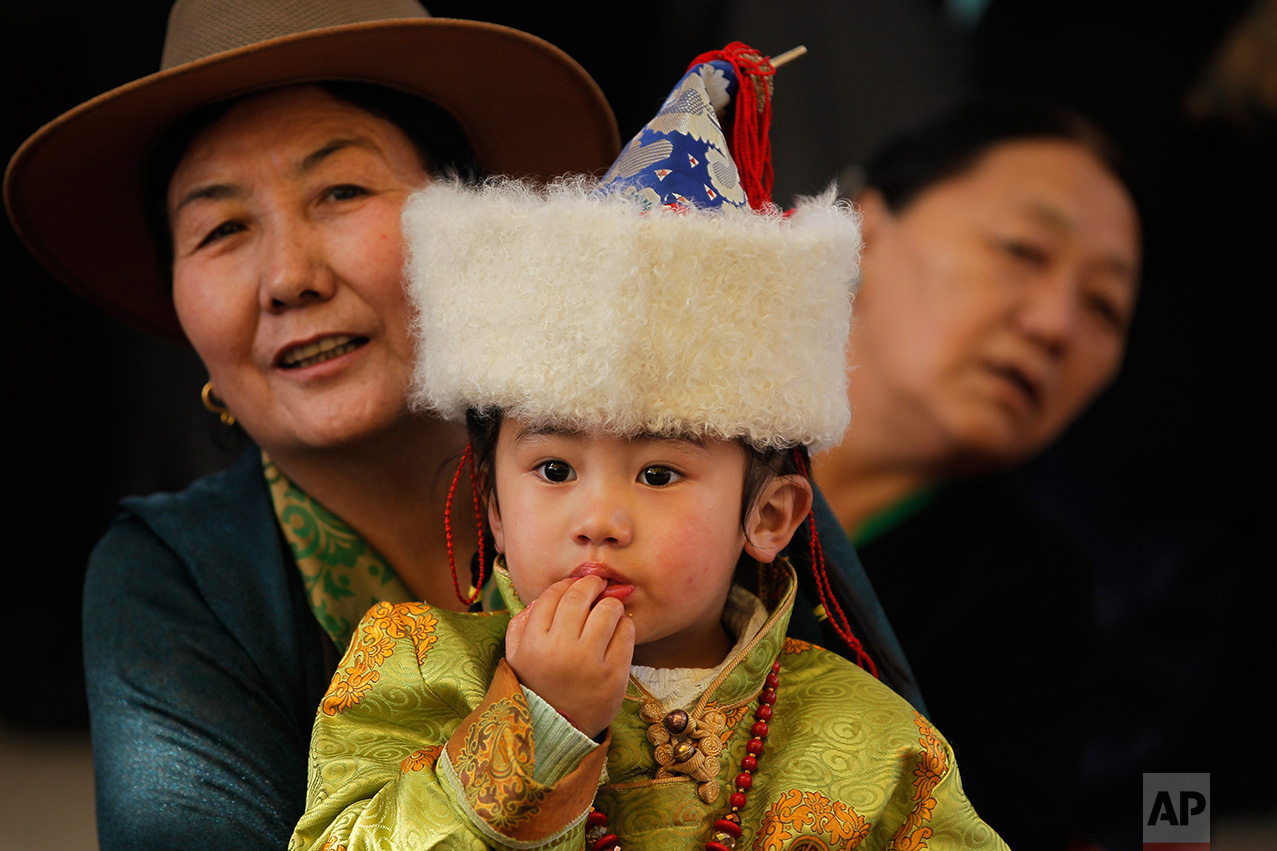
749,141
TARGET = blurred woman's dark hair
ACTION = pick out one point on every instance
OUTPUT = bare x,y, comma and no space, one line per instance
947,145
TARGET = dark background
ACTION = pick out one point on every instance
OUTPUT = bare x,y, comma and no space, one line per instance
1165,482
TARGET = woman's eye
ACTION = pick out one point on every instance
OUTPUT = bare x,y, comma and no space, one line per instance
1023,251
658,477
345,192
556,471
222,231
1107,311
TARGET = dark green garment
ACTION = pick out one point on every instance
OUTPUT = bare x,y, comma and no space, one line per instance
204,667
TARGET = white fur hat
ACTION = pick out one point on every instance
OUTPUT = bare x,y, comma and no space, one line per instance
559,306
597,310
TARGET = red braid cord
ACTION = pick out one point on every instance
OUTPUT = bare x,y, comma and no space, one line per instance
478,518
837,618
467,455
750,140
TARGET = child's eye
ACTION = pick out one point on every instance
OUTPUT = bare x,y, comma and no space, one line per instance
556,471
658,477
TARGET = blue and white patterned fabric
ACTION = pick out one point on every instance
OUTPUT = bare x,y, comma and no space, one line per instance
680,158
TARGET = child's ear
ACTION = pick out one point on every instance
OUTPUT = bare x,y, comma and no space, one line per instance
494,523
776,516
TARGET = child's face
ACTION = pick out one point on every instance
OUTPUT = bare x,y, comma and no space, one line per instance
660,520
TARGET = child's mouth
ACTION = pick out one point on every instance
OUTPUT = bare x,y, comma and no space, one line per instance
618,586
617,592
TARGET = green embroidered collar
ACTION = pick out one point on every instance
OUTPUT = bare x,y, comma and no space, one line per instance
343,575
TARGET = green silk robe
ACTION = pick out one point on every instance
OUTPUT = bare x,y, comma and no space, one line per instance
425,740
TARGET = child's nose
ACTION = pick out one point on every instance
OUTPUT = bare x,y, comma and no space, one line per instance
604,521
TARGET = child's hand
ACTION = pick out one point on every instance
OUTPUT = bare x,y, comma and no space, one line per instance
574,652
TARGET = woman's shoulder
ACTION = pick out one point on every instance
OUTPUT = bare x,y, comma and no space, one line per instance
225,515
214,546
225,496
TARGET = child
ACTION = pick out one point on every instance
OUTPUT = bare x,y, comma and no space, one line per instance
643,368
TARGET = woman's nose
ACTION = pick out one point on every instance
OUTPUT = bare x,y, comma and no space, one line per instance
294,271
1049,313
603,521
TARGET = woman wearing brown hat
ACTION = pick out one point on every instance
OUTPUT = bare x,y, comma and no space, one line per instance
243,201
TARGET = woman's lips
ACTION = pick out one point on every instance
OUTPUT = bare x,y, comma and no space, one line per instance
302,355
1029,389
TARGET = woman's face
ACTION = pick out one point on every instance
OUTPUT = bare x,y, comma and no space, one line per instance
287,269
995,306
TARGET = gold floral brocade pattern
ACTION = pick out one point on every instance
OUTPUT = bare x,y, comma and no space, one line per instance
795,812
732,718
421,759
385,625
932,763
795,645
493,766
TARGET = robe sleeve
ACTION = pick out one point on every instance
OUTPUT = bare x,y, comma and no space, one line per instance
559,746
400,757
939,816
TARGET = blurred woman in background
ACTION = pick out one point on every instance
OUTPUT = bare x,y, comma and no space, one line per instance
998,281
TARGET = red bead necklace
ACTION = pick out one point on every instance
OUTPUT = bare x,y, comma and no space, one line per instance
728,828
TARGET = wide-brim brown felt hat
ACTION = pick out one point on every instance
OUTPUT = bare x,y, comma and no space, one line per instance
74,191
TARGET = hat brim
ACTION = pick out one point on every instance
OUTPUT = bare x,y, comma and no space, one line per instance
74,191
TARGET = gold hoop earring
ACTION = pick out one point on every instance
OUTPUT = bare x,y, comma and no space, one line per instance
216,405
